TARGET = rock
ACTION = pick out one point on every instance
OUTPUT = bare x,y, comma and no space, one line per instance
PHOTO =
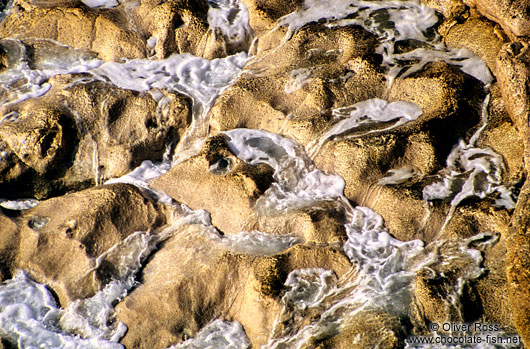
178,26
513,76
513,16
478,35
368,330
76,26
193,280
131,30
503,137
518,264
449,8
513,73
264,14
220,183
318,69
83,134
61,238
228,189
9,242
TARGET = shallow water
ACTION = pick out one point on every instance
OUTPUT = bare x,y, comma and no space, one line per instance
383,268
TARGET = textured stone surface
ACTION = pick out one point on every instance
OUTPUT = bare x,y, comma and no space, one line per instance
193,280
513,16
119,32
61,237
84,134
514,79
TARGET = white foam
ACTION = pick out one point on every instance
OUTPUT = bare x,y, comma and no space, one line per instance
397,176
298,183
20,204
101,3
298,78
308,287
471,172
391,21
366,117
218,334
6,10
151,42
24,82
229,18
258,243
13,116
29,318
196,77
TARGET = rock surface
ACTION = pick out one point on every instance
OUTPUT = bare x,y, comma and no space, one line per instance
79,135
218,255
60,239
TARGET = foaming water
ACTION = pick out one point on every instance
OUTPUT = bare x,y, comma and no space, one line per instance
201,79
229,19
366,117
101,3
471,172
395,23
384,268
5,9
18,205
30,317
27,77
298,183
218,334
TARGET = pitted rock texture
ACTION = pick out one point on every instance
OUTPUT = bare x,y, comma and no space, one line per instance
79,135
61,237
84,132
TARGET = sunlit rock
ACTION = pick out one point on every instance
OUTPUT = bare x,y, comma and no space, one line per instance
84,134
513,16
229,189
9,242
193,280
513,76
289,89
477,34
62,238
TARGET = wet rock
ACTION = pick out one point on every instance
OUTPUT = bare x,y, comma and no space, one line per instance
318,69
264,14
74,25
368,330
9,242
193,280
514,79
130,30
61,238
176,26
513,16
518,264
217,181
502,135
228,189
449,8
480,36
513,75
84,134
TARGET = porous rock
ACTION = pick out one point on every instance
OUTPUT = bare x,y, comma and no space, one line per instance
513,16
193,280
217,181
61,237
84,134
